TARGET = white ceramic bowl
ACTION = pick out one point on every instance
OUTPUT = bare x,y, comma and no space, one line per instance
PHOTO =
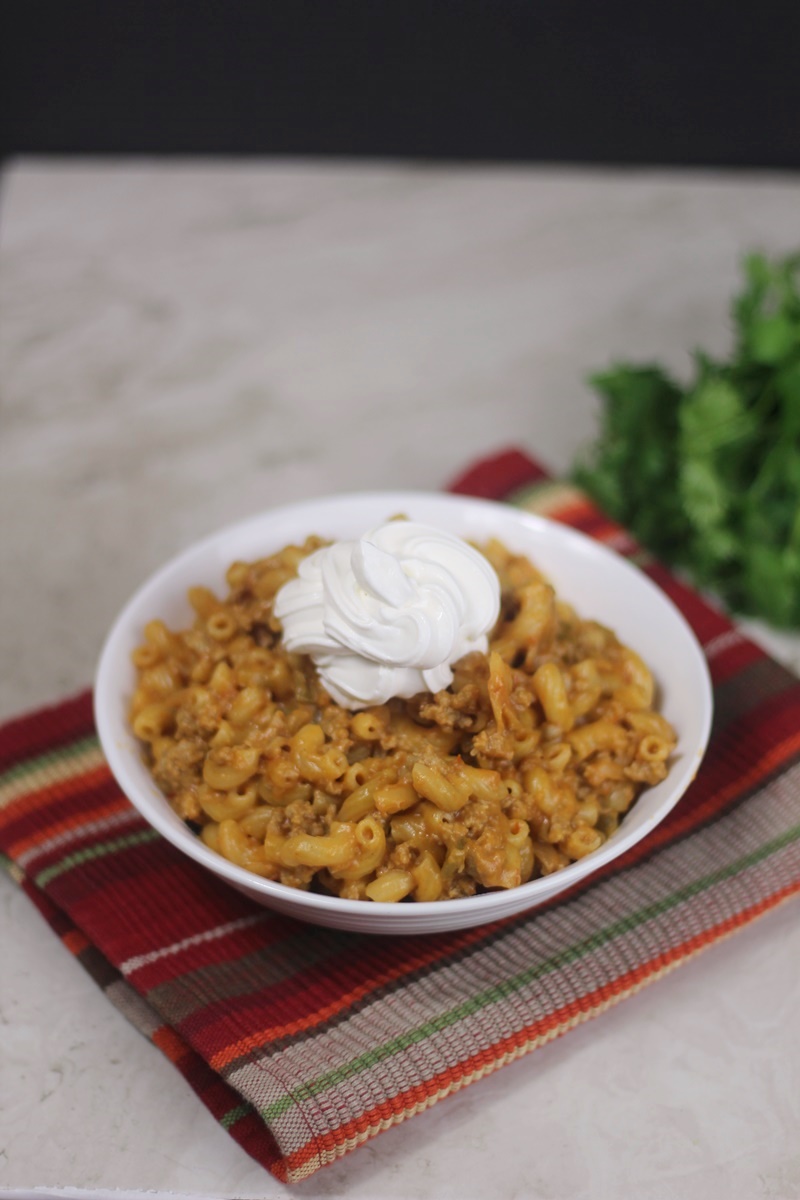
597,582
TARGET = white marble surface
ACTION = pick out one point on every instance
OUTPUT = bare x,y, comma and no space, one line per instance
184,344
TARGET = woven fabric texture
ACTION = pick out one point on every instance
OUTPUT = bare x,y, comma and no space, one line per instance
305,1042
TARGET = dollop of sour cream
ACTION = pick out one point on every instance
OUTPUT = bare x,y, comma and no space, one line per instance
387,615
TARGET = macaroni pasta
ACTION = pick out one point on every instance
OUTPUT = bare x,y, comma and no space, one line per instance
525,764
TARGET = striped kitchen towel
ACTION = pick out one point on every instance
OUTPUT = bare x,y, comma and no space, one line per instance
305,1042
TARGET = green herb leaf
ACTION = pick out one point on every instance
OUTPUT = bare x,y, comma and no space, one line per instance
708,475
771,338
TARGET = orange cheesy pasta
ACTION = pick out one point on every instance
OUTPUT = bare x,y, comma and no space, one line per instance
527,762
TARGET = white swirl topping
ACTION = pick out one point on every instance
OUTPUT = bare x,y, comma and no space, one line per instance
389,614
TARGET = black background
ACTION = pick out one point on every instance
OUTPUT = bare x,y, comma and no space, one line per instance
619,82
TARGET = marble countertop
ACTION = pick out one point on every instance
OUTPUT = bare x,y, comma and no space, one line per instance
185,344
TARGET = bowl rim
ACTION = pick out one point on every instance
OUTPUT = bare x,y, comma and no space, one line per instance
154,808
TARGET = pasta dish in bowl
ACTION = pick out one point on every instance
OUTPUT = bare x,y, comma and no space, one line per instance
426,801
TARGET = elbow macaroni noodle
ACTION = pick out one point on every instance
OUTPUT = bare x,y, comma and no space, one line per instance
526,763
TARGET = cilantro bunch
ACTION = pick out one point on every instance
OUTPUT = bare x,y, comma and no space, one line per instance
708,475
